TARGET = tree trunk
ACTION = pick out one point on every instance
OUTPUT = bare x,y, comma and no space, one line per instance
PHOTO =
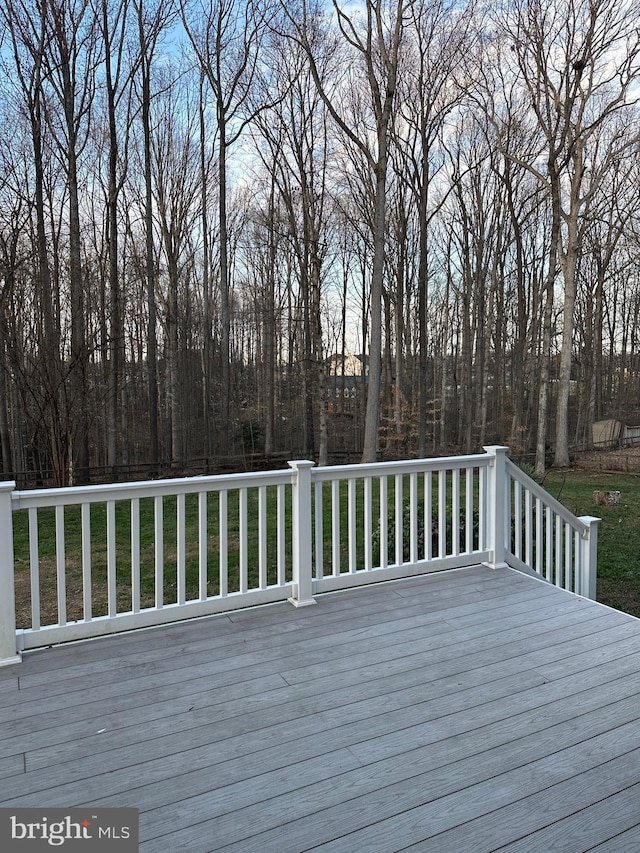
115,338
225,438
152,347
545,355
568,260
372,412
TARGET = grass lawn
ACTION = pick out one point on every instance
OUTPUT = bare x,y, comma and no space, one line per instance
618,533
73,553
618,544
348,513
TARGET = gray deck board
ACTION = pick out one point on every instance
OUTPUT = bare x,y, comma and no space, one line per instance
464,710
623,842
130,655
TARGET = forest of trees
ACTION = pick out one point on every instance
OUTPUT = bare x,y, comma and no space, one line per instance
206,206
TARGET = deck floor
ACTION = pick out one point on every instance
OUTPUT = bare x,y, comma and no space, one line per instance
471,710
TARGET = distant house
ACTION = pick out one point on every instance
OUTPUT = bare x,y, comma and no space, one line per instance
346,365
344,381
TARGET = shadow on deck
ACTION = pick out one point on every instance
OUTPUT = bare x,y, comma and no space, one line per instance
470,710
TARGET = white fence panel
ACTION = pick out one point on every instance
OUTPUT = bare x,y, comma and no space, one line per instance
386,520
562,549
149,553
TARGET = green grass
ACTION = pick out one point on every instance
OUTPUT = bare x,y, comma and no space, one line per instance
618,531
73,553
98,514
618,543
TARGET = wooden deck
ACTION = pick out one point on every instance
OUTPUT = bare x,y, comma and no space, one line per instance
471,710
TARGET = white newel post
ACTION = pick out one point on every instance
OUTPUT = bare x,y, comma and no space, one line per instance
301,534
587,575
8,651
496,505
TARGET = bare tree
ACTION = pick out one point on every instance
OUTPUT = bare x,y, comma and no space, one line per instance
52,50
226,37
151,21
176,176
15,254
605,256
296,134
438,35
374,37
578,63
70,62
206,175
112,21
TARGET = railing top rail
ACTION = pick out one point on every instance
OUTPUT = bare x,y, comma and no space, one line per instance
361,469
539,492
71,495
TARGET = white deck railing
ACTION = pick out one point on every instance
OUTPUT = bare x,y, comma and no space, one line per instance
544,537
88,561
